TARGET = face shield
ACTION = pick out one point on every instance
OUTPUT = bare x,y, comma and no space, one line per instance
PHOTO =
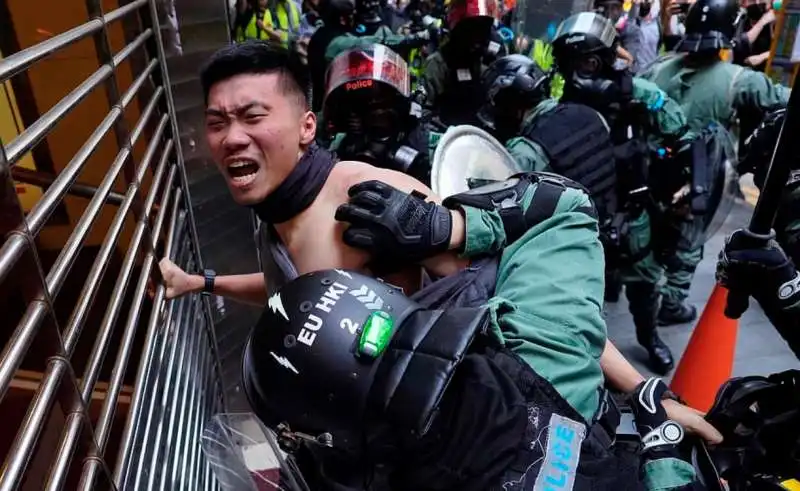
367,92
533,19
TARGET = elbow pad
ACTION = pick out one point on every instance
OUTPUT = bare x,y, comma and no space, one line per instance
506,197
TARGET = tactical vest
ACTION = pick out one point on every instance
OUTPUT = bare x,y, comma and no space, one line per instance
462,97
575,138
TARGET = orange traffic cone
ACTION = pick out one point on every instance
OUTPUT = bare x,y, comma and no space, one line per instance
708,359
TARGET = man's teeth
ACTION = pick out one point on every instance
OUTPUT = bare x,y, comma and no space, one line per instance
241,180
237,165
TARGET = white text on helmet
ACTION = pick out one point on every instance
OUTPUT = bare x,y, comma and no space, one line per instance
313,323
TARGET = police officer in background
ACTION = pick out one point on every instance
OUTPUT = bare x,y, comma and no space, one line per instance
585,49
708,90
764,266
369,107
452,75
569,139
336,36
513,86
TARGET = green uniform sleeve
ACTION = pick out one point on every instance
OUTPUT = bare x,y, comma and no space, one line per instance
754,90
434,76
548,300
667,117
529,155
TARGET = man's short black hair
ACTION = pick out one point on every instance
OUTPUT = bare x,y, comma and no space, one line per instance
257,57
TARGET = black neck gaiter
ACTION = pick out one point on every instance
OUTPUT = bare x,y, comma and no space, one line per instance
300,188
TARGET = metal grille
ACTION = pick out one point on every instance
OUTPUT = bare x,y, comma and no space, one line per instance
177,385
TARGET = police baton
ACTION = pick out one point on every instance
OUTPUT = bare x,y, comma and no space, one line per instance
786,150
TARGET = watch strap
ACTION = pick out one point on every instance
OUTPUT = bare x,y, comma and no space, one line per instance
209,276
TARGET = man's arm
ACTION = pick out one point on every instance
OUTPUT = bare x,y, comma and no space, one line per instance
666,115
246,288
754,91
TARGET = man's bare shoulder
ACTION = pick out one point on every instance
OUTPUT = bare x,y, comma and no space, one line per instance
353,172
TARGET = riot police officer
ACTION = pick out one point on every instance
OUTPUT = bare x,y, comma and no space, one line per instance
708,90
585,50
452,75
373,391
369,107
512,86
336,36
566,138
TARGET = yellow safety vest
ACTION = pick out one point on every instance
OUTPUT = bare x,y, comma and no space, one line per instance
542,54
287,22
251,31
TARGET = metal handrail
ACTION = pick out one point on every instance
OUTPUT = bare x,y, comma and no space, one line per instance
179,367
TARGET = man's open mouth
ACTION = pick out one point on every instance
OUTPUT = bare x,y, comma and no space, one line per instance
242,172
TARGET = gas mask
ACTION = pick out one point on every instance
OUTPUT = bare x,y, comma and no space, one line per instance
369,12
596,86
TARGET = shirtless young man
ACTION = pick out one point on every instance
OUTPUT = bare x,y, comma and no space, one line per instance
260,132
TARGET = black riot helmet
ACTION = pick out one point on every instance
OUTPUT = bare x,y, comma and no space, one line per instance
711,25
585,44
585,53
343,356
338,12
470,23
759,418
513,84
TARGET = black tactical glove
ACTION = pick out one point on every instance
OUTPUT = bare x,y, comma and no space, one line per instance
660,435
391,224
755,265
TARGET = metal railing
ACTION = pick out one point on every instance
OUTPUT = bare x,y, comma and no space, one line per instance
177,385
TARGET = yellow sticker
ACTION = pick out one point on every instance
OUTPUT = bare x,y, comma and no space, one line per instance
791,484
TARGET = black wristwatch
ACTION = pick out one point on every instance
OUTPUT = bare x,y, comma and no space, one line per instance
208,286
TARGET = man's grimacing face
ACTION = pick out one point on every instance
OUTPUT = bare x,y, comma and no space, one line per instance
256,132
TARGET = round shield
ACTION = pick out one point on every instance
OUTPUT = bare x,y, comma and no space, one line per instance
467,156
723,180
725,191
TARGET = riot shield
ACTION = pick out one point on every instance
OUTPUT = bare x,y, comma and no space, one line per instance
539,19
467,157
244,455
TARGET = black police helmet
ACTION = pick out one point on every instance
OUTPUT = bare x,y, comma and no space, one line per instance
759,418
514,78
338,352
332,11
710,25
583,36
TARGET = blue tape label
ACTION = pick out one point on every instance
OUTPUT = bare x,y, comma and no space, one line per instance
564,439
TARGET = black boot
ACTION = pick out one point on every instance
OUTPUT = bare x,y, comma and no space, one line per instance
672,312
643,305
